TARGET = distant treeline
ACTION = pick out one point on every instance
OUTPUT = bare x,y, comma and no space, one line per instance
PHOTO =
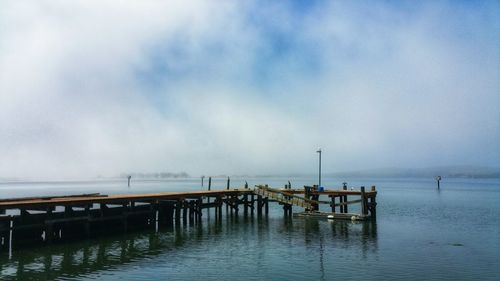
161,175
447,172
475,176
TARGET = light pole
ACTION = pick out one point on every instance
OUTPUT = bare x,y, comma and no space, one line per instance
319,181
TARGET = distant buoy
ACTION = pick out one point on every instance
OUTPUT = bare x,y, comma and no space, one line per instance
331,217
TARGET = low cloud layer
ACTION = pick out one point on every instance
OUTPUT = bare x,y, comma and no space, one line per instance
208,87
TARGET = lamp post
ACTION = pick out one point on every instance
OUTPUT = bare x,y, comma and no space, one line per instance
319,181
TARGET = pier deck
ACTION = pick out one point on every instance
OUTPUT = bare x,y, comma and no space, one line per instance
26,203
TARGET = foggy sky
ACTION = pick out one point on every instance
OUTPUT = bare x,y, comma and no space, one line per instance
93,88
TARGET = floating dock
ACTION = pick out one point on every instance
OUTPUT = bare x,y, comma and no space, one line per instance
25,221
333,216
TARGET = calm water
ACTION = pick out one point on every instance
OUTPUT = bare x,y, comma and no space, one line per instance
420,234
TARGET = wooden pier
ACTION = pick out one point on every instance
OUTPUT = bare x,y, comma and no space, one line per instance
33,220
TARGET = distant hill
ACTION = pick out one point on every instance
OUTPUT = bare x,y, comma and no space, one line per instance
155,175
444,171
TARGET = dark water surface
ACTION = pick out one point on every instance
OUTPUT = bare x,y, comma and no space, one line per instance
421,233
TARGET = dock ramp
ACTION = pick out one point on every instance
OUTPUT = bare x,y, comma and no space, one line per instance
283,197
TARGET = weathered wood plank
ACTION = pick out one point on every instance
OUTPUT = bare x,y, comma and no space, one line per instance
117,199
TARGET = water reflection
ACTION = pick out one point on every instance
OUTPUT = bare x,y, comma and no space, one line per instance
114,253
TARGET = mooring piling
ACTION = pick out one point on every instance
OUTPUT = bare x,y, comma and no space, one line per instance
438,180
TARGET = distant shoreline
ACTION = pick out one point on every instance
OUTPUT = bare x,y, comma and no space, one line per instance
451,172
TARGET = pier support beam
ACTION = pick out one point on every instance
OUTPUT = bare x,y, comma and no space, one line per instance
166,213
191,212
125,216
332,204
287,210
252,201
364,203
245,205
344,197
199,213
185,207
178,208
4,232
259,205
372,206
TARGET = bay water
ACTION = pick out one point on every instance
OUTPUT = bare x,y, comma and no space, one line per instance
421,233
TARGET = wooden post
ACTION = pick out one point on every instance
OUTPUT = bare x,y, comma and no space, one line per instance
364,205
197,212
49,227
219,199
199,202
208,199
235,205
178,212
345,199
152,215
102,209
316,197
229,204
373,204
333,203
215,207
252,201
287,210
266,202
191,212
245,204
170,214
227,188
87,222
184,212
165,214
259,205
307,194
125,216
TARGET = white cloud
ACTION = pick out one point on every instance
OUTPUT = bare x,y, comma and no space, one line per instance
90,88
